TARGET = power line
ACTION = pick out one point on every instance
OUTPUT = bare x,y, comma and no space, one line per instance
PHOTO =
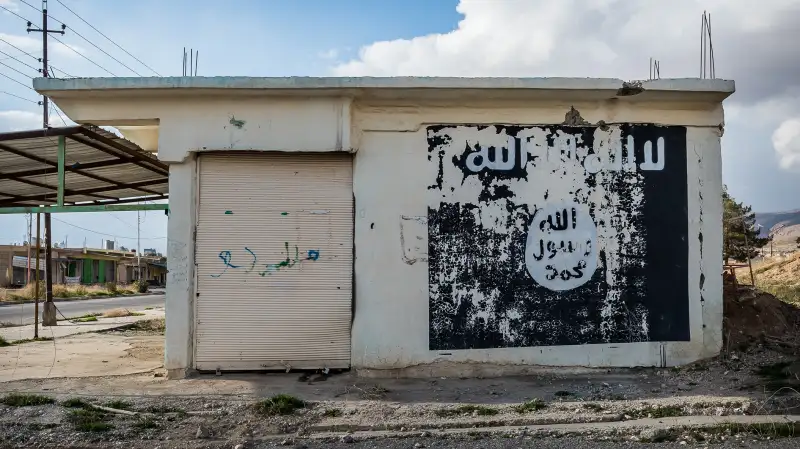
12,12
12,45
20,61
21,98
18,82
51,66
106,53
83,56
108,38
12,68
53,108
107,235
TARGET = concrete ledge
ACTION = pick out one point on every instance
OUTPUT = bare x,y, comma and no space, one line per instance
472,370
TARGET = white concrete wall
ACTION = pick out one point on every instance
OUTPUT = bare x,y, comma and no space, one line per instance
391,328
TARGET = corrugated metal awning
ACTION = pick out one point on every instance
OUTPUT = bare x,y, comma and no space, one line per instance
100,168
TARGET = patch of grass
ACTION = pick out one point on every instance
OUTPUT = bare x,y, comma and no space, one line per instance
4,342
332,412
89,420
145,422
149,308
85,319
564,394
75,403
281,404
119,404
467,409
533,405
81,290
26,400
95,294
31,340
593,407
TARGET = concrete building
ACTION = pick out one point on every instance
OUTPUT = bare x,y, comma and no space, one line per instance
422,226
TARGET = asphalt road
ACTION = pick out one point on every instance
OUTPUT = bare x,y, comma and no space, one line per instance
23,313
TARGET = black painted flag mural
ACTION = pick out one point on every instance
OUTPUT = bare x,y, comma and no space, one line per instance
557,235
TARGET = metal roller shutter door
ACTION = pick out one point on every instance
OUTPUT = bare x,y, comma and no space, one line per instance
274,261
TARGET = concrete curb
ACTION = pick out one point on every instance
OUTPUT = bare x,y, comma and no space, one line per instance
619,428
81,298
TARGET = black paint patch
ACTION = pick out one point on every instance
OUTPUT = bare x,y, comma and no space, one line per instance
481,294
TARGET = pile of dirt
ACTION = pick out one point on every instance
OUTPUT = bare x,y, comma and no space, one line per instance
754,316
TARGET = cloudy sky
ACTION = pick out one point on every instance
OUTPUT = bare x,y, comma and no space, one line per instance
756,43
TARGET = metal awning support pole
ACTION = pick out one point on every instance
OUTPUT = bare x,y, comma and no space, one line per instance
62,156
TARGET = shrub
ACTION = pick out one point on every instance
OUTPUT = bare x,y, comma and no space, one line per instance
141,286
26,400
111,287
81,290
282,404
61,291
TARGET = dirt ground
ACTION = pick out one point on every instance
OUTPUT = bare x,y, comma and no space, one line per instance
758,374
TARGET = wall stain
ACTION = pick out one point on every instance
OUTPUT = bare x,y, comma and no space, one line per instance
238,124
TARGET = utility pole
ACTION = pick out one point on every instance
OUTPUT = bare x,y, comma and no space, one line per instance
49,316
138,246
30,242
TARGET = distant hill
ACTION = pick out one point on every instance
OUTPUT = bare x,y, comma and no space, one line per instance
784,227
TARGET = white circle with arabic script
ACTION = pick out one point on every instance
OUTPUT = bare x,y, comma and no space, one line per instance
561,248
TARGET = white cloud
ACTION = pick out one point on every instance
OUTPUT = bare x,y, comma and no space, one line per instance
601,38
34,45
786,141
19,120
10,4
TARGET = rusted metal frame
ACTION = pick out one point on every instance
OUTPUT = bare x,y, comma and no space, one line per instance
39,133
88,192
48,186
132,200
50,171
75,170
81,208
137,157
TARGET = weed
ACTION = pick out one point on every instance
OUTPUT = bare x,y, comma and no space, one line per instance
148,308
165,409
111,287
533,405
75,403
281,404
89,420
4,342
785,292
119,404
81,290
479,410
593,407
30,340
776,371
332,412
157,325
563,394
26,400
661,411
86,319
141,286
145,422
